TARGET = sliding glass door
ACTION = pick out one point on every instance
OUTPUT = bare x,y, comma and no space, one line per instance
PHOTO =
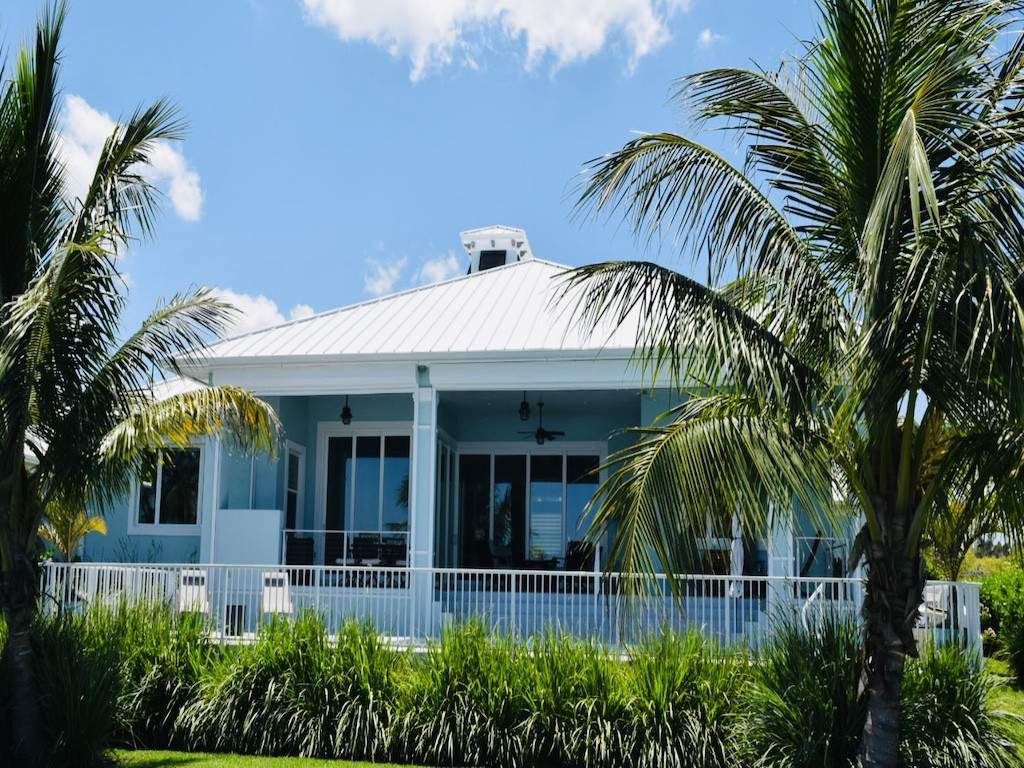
524,509
365,509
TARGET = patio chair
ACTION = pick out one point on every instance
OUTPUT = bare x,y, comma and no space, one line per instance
275,596
193,595
393,552
366,550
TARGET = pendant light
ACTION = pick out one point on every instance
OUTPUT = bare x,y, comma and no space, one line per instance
346,413
524,409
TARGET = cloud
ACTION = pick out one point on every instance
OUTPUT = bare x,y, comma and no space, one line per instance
441,268
437,33
83,129
301,312
707,38
257,312
383,276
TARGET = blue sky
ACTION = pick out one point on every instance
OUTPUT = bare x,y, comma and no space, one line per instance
336,147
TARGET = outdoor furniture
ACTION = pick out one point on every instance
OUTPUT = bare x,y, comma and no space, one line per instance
579,556
334,549
299,550
366,550
193,595
275,594
393,552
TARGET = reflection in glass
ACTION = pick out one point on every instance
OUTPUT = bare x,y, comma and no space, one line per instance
581,484
366,507
396,483
179,487
509,507
147,489
546,500
339,481
474,492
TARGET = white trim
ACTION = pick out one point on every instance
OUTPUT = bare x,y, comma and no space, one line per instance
135,528
328,429
299,450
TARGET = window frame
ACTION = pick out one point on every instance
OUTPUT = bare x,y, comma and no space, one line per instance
157,528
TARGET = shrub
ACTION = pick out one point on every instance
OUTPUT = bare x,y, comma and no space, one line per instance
163,658
292,692
946,721
1002,597
681,693
77,676
804,708
466,701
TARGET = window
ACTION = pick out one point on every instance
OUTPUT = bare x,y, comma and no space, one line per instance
367,483
168,490
491,259
294,486
524,508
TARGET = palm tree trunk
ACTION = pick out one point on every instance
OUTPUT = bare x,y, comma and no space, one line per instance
18,596
894,588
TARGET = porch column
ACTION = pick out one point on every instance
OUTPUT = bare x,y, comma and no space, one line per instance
421,510
209,498
780,562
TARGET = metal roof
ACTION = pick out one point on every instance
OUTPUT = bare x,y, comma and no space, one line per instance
508,309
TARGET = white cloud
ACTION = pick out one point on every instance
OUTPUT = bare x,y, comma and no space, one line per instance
83,131
436,33
301,312
383,276
441,268
257,312
707,38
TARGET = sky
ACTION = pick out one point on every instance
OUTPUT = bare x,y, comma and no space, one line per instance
335,148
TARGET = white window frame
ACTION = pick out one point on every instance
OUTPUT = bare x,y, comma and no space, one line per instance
157,528
328,429
563,448
295,449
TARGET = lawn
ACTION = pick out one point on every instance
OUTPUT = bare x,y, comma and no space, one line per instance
158,759
1010,698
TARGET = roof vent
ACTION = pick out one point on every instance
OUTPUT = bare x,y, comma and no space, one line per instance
496,246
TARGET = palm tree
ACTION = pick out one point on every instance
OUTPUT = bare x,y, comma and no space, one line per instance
74,393
66,527
864,284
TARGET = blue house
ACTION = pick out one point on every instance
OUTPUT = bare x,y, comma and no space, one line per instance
448,437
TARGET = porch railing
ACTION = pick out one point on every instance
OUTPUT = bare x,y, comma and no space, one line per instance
413,605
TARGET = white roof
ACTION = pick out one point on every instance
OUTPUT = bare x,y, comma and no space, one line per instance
509,309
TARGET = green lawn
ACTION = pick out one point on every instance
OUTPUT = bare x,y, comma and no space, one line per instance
1009,698
158,759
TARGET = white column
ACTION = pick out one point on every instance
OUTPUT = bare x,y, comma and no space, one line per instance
421,508
209,498
781,561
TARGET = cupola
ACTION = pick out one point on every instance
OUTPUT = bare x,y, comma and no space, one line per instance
495,246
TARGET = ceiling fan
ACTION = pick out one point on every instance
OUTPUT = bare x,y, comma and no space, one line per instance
540,434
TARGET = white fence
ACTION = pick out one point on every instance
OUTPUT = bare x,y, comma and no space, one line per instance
412,605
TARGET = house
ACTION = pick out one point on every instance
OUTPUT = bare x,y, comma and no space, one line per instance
457,430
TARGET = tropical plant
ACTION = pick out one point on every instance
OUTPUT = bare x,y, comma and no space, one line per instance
864,288
75,394
66,527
